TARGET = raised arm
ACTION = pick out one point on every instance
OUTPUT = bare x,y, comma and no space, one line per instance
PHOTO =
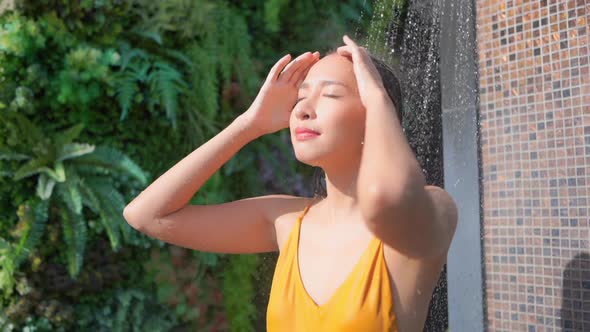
416,219
162,209
173,190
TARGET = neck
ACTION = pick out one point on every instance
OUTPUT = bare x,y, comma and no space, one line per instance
341,199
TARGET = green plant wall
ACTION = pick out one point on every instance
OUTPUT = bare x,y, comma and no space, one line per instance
99,98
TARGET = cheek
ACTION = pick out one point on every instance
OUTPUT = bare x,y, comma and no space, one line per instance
348,125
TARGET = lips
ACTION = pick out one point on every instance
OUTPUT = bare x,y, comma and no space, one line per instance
302,133
303,130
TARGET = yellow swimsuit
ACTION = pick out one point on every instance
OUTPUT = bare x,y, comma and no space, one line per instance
362,303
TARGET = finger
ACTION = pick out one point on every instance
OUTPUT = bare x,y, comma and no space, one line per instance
348,41
300,75
344,50
288,71
357,54
354,47
278,67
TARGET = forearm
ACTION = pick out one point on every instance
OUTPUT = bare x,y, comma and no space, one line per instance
389,173
174,189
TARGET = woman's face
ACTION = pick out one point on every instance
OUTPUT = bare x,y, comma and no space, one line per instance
328,104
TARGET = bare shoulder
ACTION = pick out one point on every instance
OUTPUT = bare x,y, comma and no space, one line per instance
284,212
279,207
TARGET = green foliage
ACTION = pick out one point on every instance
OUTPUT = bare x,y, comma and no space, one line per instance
127,310
20,37
128,72
86,71
186,283
79,72
183,19
79,173
145,74
31,225
101,21
272,11
238,290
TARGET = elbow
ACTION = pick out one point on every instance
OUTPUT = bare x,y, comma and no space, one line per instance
376,203
381,204
380,197
131,217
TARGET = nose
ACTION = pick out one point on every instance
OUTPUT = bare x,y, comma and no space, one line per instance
304,111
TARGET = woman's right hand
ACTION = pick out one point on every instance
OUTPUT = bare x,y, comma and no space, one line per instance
272,107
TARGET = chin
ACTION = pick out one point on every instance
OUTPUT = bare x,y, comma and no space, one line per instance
307,155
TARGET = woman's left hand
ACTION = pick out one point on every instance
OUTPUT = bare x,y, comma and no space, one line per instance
369,81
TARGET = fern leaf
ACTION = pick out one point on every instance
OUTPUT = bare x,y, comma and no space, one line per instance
31,228
7,267
6,174
45,186
32,133
67,136
75,236
109,223
70,196
35,219
6,154
111,213
73,150
128,54
32,167
205,83
89,198
58,173
166,83
112,159
126,87
151,35
180,56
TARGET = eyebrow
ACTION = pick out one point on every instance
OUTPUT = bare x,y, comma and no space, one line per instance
305,85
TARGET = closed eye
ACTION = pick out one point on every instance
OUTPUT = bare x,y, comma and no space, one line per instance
329,96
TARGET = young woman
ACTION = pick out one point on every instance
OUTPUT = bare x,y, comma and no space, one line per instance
367,256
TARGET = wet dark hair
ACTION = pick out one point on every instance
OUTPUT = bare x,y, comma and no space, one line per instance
389,75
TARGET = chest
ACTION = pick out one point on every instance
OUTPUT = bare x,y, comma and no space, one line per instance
328,258
325,263
326,255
